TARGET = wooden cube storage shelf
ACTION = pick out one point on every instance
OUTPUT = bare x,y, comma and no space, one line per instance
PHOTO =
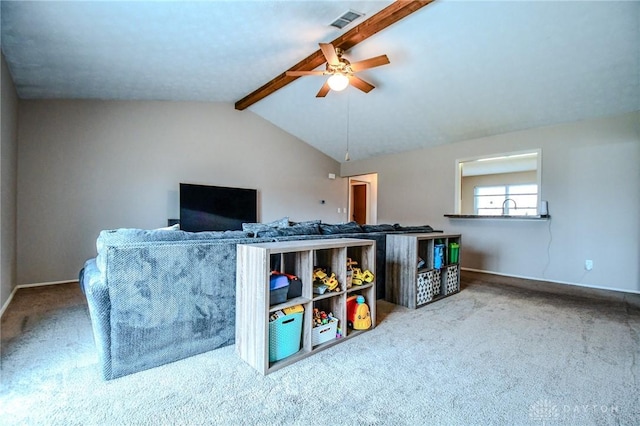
298,258
410,286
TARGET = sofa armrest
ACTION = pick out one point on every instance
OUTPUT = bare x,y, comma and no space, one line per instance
95,288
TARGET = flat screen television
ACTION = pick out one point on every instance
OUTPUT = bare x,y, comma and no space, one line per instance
216,208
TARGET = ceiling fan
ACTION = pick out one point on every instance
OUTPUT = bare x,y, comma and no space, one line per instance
341,71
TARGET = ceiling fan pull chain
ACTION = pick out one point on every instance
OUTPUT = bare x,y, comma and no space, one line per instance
346,156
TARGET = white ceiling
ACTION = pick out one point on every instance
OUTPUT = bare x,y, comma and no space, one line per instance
459,69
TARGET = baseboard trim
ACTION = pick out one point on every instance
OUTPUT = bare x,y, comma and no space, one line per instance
19,286
482,271
46,283
6,304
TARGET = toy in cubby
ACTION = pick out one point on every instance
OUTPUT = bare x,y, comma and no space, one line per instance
296,309
358,314
325,327
323,281
322,318
319,317
350,264
358,277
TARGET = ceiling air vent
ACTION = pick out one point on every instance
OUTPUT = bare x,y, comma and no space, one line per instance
346,18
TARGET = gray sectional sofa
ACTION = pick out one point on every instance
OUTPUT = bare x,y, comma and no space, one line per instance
157,296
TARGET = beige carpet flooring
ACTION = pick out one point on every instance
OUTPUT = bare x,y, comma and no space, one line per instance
500,352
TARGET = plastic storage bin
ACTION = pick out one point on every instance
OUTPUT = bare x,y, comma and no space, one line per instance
295,288
284,336
278,289
324,333
454,250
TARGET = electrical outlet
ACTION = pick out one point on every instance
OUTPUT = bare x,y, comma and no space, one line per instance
588,264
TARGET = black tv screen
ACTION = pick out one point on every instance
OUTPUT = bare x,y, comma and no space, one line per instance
216,208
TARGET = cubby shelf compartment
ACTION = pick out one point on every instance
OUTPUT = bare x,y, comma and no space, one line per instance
413,287
254,264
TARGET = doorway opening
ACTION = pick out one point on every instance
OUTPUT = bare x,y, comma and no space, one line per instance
363,199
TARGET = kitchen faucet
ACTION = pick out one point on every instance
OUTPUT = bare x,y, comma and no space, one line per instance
504,205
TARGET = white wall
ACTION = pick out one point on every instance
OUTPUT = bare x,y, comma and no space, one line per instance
92,165
590,177
8,177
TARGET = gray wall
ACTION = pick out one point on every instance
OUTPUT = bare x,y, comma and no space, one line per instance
590,177
92,165
8,177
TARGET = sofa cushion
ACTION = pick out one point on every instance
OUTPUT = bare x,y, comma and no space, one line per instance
416,228
256,228
306,222
378,228
312,229
341,228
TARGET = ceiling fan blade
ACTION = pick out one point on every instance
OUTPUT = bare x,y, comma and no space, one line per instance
323,90
329,53
369,63
301,73
359,83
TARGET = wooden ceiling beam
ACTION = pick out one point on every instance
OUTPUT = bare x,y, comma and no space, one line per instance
378,22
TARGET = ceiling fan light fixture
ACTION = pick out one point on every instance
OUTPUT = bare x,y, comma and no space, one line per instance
338,82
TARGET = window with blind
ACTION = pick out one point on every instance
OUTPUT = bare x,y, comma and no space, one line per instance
510,200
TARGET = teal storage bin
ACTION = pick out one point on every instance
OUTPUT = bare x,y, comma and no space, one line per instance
284,336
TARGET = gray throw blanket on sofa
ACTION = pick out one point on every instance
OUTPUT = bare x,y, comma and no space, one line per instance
154,299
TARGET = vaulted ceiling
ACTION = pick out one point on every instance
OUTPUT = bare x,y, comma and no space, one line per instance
459,69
